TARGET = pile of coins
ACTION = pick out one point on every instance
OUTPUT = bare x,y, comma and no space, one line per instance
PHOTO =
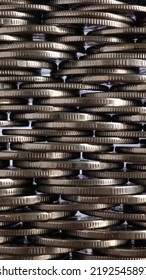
73,118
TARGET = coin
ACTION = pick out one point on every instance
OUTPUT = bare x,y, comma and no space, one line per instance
126,31
26,5
21,257
81,255
68,206
86,21
124,199
84,182
4,86
37,29
5,239
113,78
15,191
117,232
12,101
15,14
26,93
139,208
60,147
74,223
46,132
140,87
24,78
141,181
139,167
38,173
12,123
69,116
139,252
126,63
14,21
78,101
90,125
91,191
6,208
24,155
94,140
118,174
126,134
75,243
92,71
139,223
6,72
33,216
105,2
111,214
93,14
119,157
10,183
135,150
19,63
32,108
14,139
114,109
23,200
60,86
117,51
66,165
31,250
131,118
39,46
36,54
22,231
89,38
124,47
9,38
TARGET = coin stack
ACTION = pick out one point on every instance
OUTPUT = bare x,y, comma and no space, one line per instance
72,78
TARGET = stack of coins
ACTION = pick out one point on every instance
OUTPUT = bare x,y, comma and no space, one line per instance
72,170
